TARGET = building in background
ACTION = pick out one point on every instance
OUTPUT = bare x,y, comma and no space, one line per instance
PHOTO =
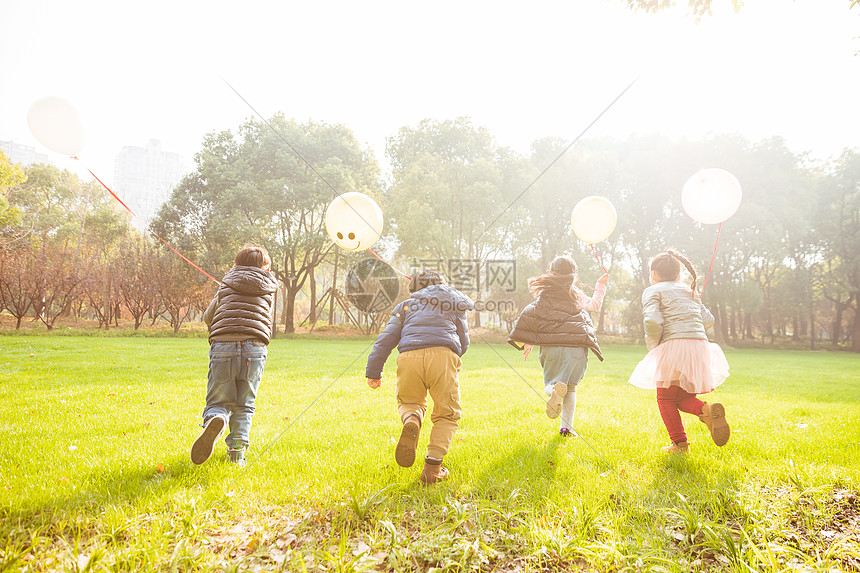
145,176
22,154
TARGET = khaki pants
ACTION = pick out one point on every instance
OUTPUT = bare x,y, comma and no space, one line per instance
432,370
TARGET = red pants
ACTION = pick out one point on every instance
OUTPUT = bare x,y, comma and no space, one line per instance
672,401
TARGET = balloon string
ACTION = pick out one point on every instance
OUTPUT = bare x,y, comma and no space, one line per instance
133,214
387,263
597,258
714,256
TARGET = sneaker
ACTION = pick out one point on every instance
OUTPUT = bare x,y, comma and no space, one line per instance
553,405
433,471
714,417
567,433
676,448
404,453
237,456
203,446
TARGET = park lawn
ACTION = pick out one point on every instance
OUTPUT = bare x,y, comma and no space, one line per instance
95,473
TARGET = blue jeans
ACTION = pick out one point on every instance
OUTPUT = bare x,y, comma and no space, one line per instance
235,371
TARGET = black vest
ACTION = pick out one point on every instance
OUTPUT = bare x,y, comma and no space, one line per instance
245,301
551,321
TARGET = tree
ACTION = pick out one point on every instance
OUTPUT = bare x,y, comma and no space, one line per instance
698,8
448,181
270,188
841,230
14,291
137,274
10,176
180,289
54,279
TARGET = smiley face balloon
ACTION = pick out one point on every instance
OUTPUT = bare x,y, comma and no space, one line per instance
353,221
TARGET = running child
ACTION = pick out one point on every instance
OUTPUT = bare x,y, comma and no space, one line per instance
681,362
431,334
557,321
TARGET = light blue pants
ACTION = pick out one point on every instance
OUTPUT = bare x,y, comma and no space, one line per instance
235,371
568,365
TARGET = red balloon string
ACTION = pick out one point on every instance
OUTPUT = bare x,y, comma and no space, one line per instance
387,263
596,258
714,256
114,195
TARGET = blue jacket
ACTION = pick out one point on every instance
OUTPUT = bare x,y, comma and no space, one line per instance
432,316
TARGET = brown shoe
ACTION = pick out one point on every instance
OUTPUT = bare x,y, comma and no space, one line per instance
433,471
676,448
204,445
553,405
714,417
404,453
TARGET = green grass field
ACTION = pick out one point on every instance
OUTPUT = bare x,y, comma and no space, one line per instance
95,473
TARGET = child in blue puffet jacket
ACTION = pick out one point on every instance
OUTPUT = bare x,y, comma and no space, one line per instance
431,333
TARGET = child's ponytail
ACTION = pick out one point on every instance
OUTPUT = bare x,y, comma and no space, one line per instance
689,266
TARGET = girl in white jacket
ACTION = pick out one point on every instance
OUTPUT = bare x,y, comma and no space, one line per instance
681,362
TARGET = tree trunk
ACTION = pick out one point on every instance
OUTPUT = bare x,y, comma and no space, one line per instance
811,327
720,326
106,302
855,332
275,314
837,324
313,287
333,287
795,328
289,313
284,306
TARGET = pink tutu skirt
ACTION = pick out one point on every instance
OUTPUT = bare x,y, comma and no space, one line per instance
700,366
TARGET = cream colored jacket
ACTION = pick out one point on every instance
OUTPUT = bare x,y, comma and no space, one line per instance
671,311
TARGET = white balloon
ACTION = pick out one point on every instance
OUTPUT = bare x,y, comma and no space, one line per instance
55,123
353,221
593,219
711,196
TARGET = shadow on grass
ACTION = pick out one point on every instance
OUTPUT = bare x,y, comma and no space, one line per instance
530,466
125,486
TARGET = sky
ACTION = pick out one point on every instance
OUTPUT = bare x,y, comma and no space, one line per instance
160,70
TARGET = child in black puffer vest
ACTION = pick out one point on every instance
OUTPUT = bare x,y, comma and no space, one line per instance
240,321
558,322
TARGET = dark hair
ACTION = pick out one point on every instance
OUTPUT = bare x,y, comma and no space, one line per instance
424,279
561,277
668,266
252,256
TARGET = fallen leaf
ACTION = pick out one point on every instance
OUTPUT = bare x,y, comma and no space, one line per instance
361,548
252,545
